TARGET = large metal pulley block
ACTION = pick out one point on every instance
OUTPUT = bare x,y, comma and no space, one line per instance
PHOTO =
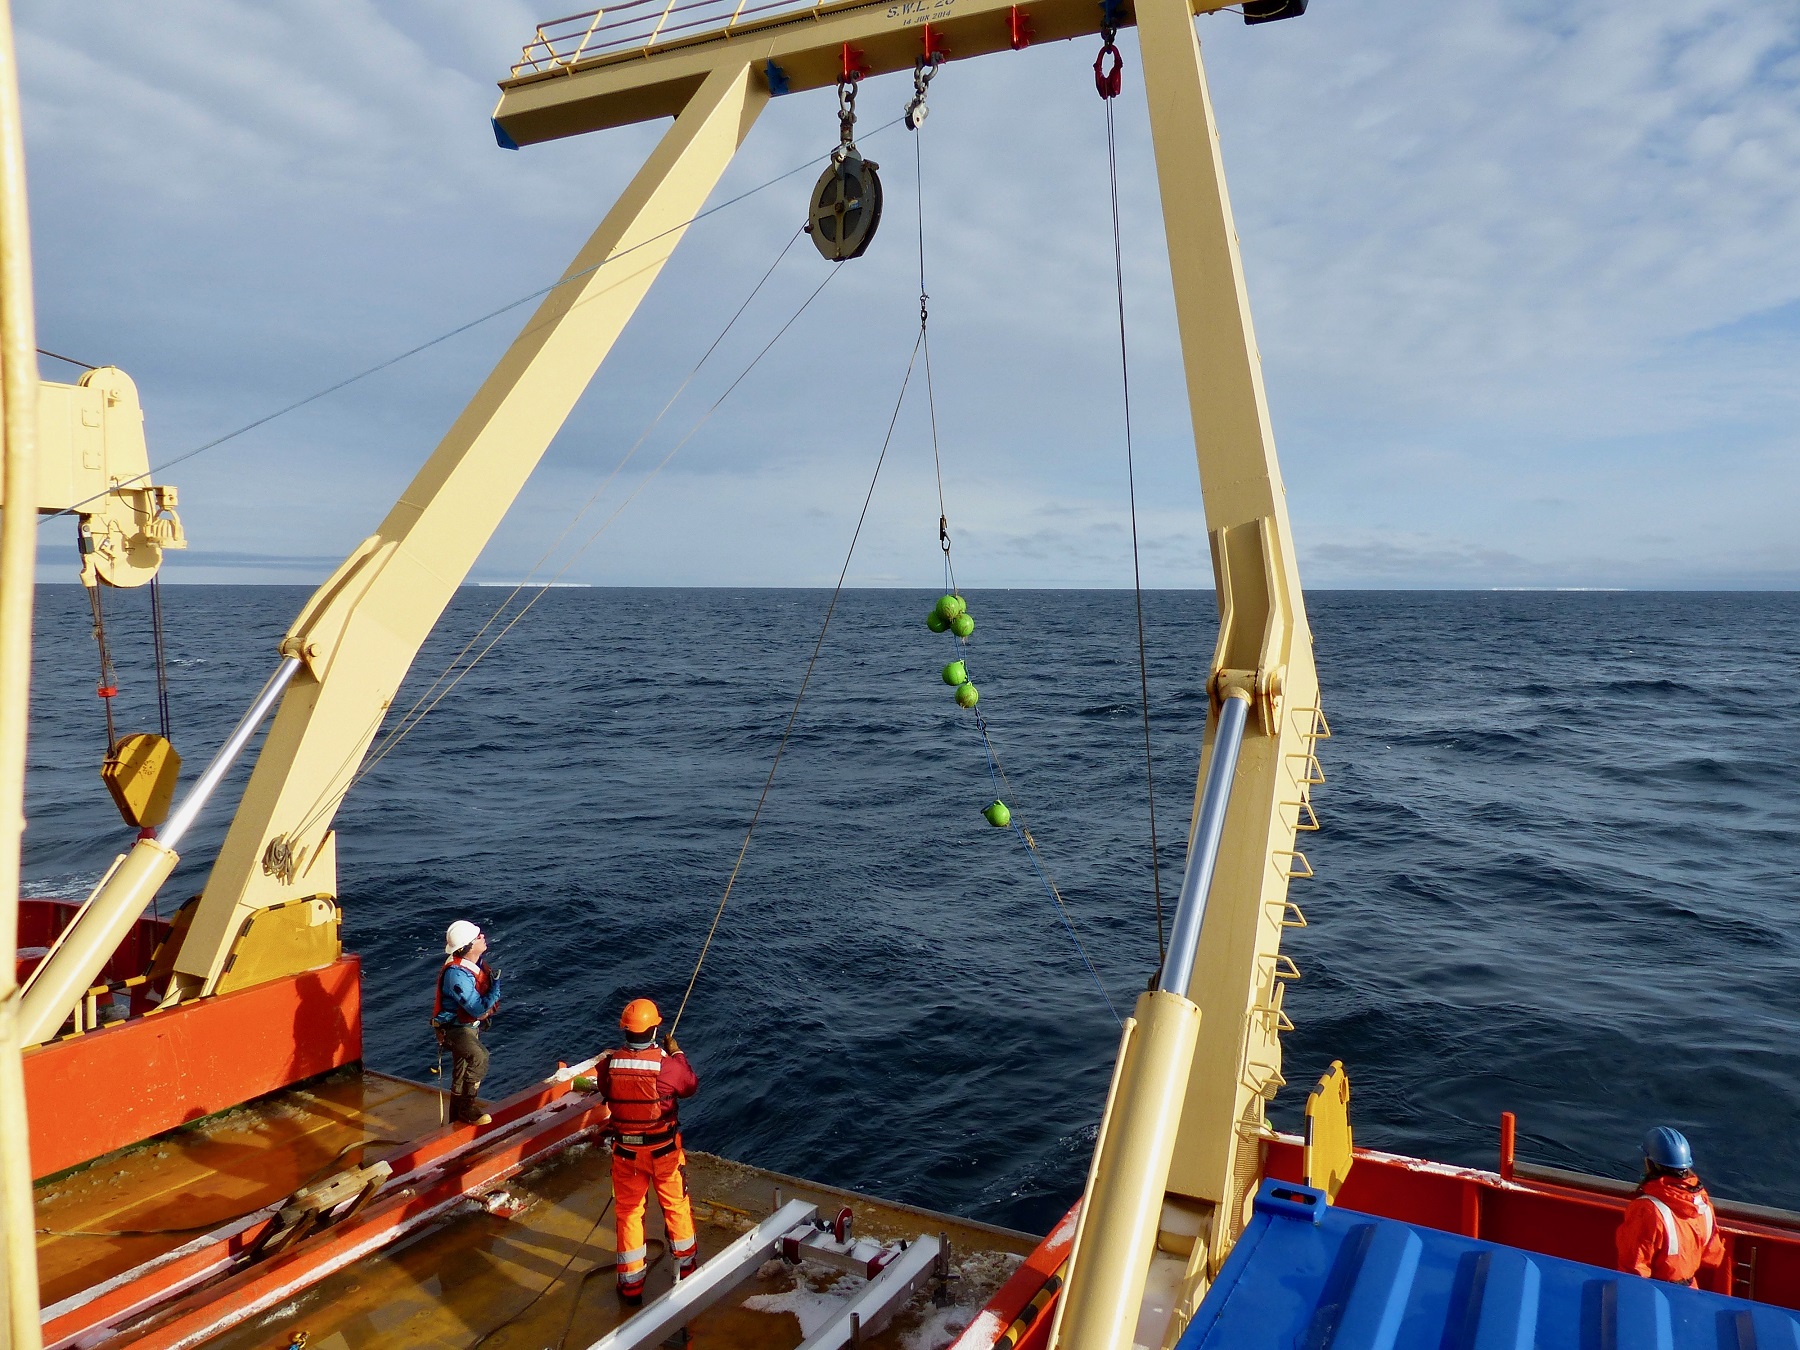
845,207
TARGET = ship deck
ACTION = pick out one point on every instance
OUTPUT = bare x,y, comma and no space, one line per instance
532,1266
126,1209
543,1277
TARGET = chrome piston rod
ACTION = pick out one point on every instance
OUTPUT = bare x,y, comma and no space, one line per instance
100,925
1203,850
183,816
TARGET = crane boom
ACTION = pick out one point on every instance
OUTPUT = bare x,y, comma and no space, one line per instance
1179,1149
358,635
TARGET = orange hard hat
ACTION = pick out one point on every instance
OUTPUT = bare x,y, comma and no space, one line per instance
639,1016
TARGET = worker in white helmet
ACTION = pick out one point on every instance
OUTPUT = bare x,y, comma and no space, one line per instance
467,993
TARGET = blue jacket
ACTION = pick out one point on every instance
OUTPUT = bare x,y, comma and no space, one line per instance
461,1000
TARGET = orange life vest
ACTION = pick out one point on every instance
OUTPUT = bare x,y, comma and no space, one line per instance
634,1092
484,981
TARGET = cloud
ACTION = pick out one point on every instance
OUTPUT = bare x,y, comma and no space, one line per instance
1526,278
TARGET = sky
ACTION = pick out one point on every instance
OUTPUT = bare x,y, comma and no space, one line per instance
1525,277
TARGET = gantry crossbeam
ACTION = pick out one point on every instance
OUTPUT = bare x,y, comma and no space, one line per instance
788,52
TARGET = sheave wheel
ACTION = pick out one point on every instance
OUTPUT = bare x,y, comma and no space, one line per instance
845,208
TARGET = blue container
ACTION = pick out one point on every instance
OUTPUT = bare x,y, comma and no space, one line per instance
1309,1276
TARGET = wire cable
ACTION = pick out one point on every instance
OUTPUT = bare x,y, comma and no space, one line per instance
794,712
332,797
71,360
404,722
1137,579
995,771
457,331
937,459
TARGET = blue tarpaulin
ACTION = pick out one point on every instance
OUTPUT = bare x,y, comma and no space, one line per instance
1309,1276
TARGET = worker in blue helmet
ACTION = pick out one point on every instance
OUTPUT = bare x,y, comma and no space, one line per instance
1669,1231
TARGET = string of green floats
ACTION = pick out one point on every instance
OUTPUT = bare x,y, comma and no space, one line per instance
951,615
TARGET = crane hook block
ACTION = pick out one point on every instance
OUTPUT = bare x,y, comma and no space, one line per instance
140,774
845,207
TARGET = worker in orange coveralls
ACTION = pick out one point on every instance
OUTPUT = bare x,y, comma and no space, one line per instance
1669,1232
642,1083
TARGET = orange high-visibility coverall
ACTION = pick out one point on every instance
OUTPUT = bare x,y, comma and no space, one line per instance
1669,1232
641,1088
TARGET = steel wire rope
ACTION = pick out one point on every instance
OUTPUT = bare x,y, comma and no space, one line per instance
1137,580
450,667
995,772
998,776
457,331
1003,789
57,356
330,800
794,712
925,339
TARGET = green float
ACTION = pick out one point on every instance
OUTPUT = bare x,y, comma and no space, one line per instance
936,622
966,694
963,624
998,816
949,607
956,673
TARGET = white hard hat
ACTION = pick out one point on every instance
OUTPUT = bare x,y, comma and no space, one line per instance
459,935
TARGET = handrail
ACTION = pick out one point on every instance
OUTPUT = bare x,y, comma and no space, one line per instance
1584,1181
633,25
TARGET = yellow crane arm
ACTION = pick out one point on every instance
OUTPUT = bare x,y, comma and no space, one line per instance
1179,1149
357,636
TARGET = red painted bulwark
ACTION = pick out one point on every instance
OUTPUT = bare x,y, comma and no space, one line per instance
91,1094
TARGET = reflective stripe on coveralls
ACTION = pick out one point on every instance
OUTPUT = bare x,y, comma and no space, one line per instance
634,1172
648,1154
1671,1230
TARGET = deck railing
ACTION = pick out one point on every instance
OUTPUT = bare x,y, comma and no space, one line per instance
640,26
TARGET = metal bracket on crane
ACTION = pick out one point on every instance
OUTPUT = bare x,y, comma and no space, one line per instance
1251,654
93,465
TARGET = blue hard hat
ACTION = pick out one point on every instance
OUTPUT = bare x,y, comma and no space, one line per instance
1668,1147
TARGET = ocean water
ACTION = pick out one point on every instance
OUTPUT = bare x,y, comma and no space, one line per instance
1557,873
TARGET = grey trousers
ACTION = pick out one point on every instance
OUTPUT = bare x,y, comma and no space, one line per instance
470,1057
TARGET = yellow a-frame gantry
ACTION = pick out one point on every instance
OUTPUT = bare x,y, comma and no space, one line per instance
1179,1152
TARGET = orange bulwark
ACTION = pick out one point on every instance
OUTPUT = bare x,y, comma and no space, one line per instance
634,1172
189,1062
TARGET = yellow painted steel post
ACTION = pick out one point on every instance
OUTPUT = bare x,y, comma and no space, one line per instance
358,635
1116,1234
1212,1103
18,567
1265,646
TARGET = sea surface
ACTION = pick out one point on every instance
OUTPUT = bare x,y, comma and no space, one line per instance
1557,874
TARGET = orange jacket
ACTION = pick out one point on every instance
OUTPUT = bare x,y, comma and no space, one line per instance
1669,1232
